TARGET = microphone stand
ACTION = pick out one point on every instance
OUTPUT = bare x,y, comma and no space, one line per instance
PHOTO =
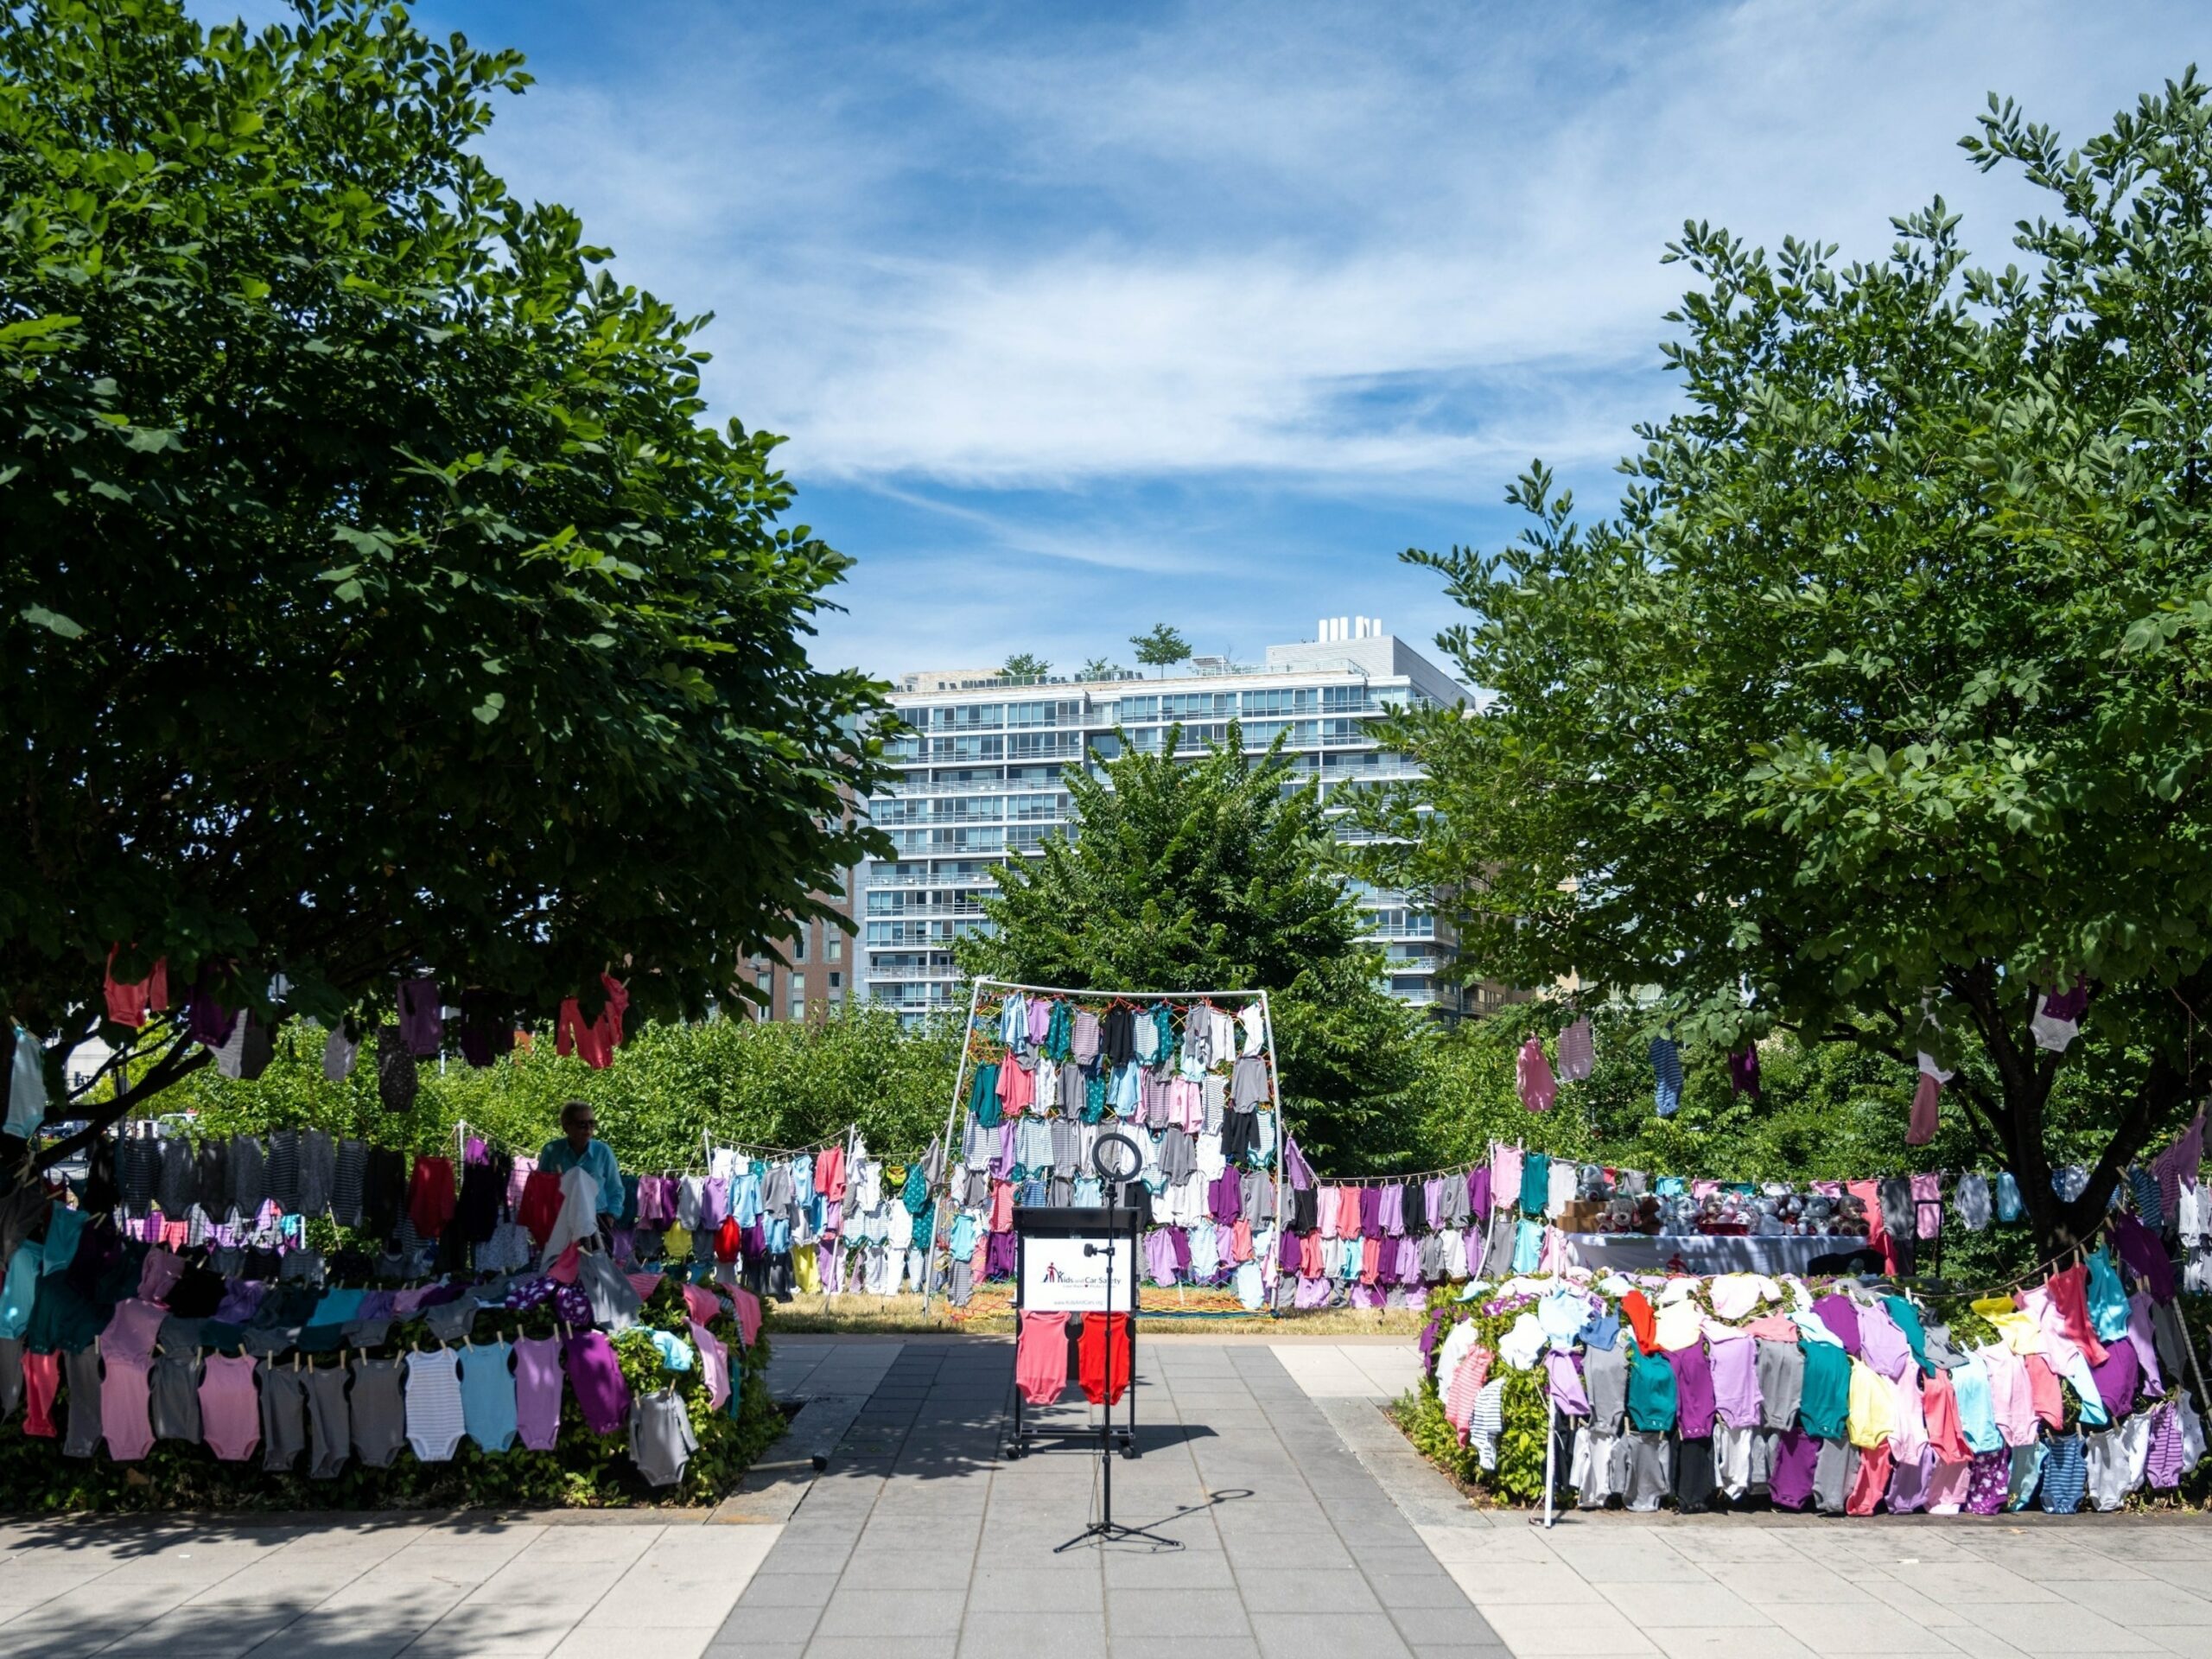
1106,1528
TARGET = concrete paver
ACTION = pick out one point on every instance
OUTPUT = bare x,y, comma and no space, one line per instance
371,1586
943,1544
1307,1520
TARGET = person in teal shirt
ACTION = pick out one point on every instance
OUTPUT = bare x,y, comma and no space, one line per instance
575,1149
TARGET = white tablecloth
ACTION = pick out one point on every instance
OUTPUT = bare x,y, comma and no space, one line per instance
1702,1253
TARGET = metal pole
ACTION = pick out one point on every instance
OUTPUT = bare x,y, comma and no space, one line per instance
1282,1153
852,1135
1551,1455
953,1117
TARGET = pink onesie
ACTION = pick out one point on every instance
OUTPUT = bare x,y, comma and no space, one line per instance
714,1365
229,1410
126,1389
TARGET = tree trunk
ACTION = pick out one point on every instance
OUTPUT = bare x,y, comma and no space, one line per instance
2026,1074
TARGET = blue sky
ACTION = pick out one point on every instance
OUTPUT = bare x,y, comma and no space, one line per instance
1081,318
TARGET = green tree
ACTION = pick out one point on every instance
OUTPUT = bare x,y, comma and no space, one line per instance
1161,648
1096,668
1025,665
1885,701
375,595
1216,874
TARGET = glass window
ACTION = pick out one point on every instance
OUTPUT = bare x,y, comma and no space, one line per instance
799,948
833,950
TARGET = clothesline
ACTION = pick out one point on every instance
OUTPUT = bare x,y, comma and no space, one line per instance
842,1137
1131,997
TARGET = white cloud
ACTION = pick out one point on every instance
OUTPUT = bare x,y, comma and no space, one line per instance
1201,245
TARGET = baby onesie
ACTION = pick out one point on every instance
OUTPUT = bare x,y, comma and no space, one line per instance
661,1440
11,1374
126,1405
284,1418
537,1391
81,1436
488,1395
330,1431
1040,1361
435,1418
229,1411
596,1377
380,1415
174,1406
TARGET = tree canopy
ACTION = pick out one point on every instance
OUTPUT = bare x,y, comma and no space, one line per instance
376,592
1162,648
1883,701
1214,873
1025,665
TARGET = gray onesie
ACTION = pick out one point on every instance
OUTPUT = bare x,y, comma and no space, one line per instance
614,1301
661,1441
82,1370
1604,1379
1646,1478
329,1427
1782,1383
174,1402
284,1418
1832,1474
380,1415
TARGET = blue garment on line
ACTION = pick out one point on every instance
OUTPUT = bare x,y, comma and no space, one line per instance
1667,1074
2008,1207
2065,1475
2107,1297
487,1394
1527,1246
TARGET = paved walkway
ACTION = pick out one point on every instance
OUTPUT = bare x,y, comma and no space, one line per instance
366,1588
1310,1528
920,1540
1750,1587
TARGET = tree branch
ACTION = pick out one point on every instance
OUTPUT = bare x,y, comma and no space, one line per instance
184,1057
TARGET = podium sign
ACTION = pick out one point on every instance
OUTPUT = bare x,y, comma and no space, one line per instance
1077,1274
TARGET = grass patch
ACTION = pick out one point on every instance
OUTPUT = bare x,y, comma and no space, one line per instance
991,1312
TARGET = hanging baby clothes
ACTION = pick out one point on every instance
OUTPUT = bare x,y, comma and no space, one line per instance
1538,1088
1040,1360
1667,1075
1744,1071
2057,1019
1577,1052
1921,1128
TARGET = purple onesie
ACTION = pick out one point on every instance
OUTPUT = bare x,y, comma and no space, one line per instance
596,1376
1694,1401
537,1391
1796,1455
1735,1363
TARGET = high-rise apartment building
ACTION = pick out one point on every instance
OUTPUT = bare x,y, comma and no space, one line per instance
984,778
817,973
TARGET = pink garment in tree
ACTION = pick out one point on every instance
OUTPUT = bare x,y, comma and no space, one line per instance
1922,1128
1538,1087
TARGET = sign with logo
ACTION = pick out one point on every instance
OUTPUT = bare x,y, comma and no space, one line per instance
1077,1275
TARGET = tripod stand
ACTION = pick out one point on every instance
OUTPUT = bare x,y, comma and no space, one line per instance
1116,1159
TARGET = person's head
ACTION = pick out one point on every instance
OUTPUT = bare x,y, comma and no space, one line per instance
578,1122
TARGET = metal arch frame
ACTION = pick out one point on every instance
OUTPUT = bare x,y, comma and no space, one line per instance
938,1238
941,1241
